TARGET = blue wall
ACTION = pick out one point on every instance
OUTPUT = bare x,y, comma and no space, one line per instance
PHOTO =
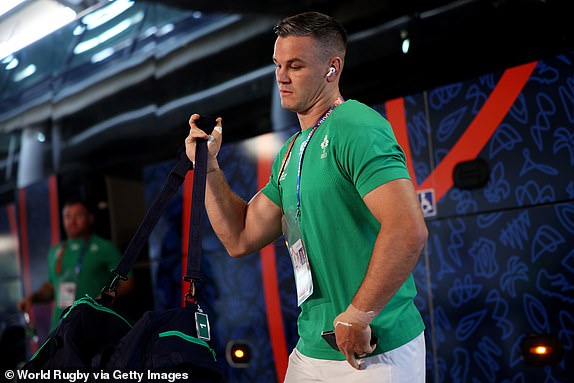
501,258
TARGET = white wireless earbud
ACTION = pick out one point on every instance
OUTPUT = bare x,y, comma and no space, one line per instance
332,71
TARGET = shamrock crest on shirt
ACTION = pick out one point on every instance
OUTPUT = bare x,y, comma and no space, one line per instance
324,145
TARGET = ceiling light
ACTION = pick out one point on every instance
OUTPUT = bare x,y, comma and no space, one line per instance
31,22
24,73
41,137
406,41
79,29
10,62
109,33
102,55
7,5
107,13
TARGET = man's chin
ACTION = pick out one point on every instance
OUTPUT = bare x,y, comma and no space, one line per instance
288,106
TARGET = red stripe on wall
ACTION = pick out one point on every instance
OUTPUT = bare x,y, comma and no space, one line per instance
54,210
185,224
481,128
24,250
25,253
13,223
270,283
21,249
398,118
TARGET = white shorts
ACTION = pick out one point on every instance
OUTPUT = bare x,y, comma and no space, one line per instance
405,364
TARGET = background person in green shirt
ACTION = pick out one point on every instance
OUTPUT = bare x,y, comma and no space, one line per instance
77,266
341,195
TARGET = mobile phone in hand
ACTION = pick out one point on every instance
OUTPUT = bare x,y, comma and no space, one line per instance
330,338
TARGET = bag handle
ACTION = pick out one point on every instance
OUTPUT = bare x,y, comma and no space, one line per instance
175,179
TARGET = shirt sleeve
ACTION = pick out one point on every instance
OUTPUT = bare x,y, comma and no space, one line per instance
367,150
271,189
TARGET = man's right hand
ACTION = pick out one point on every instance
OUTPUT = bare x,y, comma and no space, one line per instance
44,294
213,144
25,305
242,227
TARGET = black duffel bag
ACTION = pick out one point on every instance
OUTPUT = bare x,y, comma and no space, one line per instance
94,339
85,330
165,346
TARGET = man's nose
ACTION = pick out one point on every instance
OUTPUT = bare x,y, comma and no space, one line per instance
281,75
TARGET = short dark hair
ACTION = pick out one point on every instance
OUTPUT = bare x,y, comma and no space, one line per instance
323,27
79,201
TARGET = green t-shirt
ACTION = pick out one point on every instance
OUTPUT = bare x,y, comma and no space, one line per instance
350,154
99,258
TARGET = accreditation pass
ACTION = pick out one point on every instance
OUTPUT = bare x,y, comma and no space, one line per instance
302,270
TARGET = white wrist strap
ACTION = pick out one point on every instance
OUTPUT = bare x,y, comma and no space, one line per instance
354,315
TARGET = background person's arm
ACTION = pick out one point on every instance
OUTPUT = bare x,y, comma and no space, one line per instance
43,294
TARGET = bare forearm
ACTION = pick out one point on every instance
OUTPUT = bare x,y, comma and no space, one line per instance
393,259
242,227
226,210
44,294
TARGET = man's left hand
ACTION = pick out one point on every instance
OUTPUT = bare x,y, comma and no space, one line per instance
353,339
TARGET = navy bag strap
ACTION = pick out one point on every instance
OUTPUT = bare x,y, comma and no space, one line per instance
196,218
175,179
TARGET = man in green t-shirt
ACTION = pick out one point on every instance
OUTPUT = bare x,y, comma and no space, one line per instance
341,195
79,265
